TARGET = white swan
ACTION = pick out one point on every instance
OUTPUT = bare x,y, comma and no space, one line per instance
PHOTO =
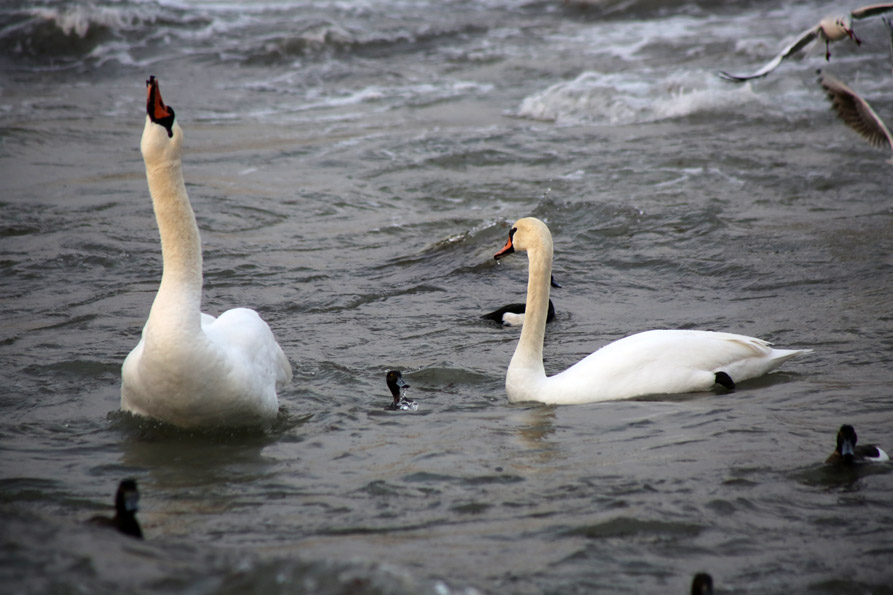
652,362
190,369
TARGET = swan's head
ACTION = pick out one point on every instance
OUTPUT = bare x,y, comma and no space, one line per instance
526,234
127,498
395,383
162,136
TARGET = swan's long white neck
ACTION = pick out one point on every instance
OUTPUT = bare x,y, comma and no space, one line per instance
178,302
529,352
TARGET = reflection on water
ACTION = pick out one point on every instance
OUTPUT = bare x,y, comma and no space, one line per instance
535,425
841,478
353,168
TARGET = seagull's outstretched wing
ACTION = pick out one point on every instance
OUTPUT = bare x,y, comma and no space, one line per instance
889,24
855,112
796,46
871,10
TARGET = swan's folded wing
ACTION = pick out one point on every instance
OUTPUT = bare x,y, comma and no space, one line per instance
670,361
805,38
244,333
855,112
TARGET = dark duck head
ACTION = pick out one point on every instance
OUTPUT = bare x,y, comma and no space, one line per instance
397,384
126,505
702,584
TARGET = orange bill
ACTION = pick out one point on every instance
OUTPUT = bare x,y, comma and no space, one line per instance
154,104
508,248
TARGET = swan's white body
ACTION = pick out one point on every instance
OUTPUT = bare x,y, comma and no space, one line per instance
191,369
652,362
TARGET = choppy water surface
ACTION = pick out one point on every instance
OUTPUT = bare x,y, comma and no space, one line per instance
354,166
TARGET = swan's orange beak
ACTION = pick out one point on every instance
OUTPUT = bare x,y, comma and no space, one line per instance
508,248
154,104
159,113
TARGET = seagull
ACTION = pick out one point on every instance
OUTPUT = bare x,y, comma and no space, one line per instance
889,23
855,112
833,28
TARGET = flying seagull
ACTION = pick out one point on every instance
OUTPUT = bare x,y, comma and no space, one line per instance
855,112
833,28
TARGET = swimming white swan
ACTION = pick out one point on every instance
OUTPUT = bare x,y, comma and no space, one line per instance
652,362
191,369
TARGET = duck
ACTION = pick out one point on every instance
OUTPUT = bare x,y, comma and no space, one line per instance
189,368
647,363
396,383
126,505
513,314
828,30
702,584
847,453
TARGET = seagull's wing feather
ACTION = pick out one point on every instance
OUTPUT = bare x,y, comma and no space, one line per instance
793,48
889,24
855,112
871,10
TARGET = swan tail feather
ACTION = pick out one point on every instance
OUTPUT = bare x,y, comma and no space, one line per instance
724,380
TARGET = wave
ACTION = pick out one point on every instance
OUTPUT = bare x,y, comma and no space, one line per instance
326,37
51,33
630,98
60,34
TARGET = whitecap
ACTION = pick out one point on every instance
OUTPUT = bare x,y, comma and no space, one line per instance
78,20
629,98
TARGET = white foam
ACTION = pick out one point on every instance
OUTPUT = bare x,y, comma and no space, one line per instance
372,97
628,98
78,20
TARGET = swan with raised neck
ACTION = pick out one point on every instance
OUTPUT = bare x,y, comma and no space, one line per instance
191,369
647,363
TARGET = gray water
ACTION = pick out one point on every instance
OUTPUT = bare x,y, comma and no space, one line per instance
353,167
